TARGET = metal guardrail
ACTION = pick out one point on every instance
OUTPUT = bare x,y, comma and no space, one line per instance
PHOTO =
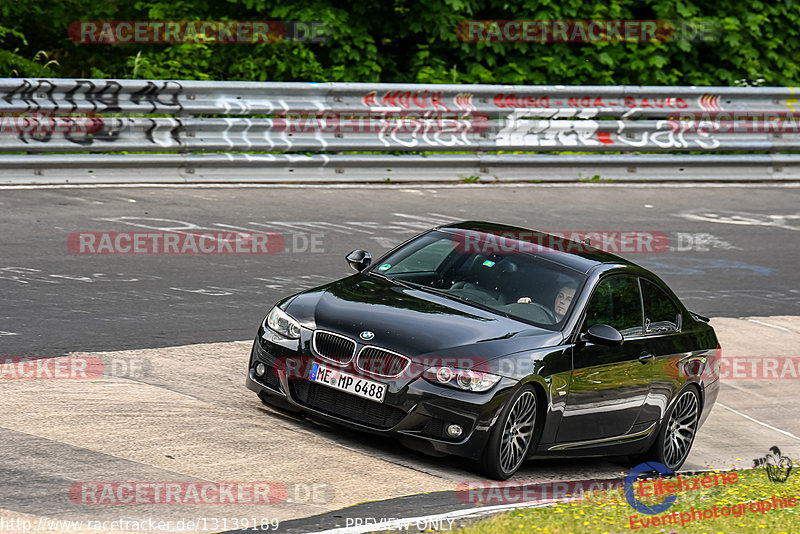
287,168
47,118
106,134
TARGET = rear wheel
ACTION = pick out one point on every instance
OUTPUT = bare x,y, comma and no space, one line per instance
676,436
512,435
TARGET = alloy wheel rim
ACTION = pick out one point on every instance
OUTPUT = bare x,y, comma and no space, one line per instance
517,432
681,428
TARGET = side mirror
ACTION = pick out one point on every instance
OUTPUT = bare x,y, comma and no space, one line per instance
602,334
359,259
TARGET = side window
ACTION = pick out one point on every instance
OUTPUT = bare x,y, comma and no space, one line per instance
616,302
660,313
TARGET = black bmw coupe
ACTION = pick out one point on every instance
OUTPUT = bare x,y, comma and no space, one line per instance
497,344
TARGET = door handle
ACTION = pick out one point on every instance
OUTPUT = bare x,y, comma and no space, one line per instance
646,357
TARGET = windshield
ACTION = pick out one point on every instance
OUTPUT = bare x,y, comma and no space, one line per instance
516,283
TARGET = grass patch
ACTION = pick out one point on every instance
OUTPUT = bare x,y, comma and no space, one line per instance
593,179
607,511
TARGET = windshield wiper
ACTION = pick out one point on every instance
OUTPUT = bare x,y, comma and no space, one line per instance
390,280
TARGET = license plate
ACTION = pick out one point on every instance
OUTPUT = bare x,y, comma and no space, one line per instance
369,389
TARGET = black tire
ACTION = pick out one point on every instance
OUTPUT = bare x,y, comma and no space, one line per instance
676,435
512,435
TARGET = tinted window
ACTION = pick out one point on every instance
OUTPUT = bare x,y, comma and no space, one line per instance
511,280
616,302
660,313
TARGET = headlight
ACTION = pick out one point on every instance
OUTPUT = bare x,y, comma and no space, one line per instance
465,379
280,322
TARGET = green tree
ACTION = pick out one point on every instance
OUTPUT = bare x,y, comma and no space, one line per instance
412,41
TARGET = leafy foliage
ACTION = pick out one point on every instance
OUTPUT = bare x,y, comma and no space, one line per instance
408,41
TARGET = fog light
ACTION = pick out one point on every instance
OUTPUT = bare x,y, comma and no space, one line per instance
261,369
454,431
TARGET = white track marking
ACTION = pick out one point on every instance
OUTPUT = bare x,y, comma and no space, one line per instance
436,219
742,218
304,226
334,227
758,422
771,325
236,228
386,242
383,227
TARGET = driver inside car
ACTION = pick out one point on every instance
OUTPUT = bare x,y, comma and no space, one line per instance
562,301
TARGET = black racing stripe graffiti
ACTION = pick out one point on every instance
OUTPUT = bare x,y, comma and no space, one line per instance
86,131
158,97
75,130
103,97
175,131
31,93
80,131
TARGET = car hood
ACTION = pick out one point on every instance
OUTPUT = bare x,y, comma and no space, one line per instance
414,322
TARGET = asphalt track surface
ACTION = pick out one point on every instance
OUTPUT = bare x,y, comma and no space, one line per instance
187,319
735,251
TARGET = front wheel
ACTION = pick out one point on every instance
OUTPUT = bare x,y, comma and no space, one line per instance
676,436
512,435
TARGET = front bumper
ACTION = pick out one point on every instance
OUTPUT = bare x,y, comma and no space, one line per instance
414,409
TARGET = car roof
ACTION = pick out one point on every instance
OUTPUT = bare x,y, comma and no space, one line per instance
573,254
